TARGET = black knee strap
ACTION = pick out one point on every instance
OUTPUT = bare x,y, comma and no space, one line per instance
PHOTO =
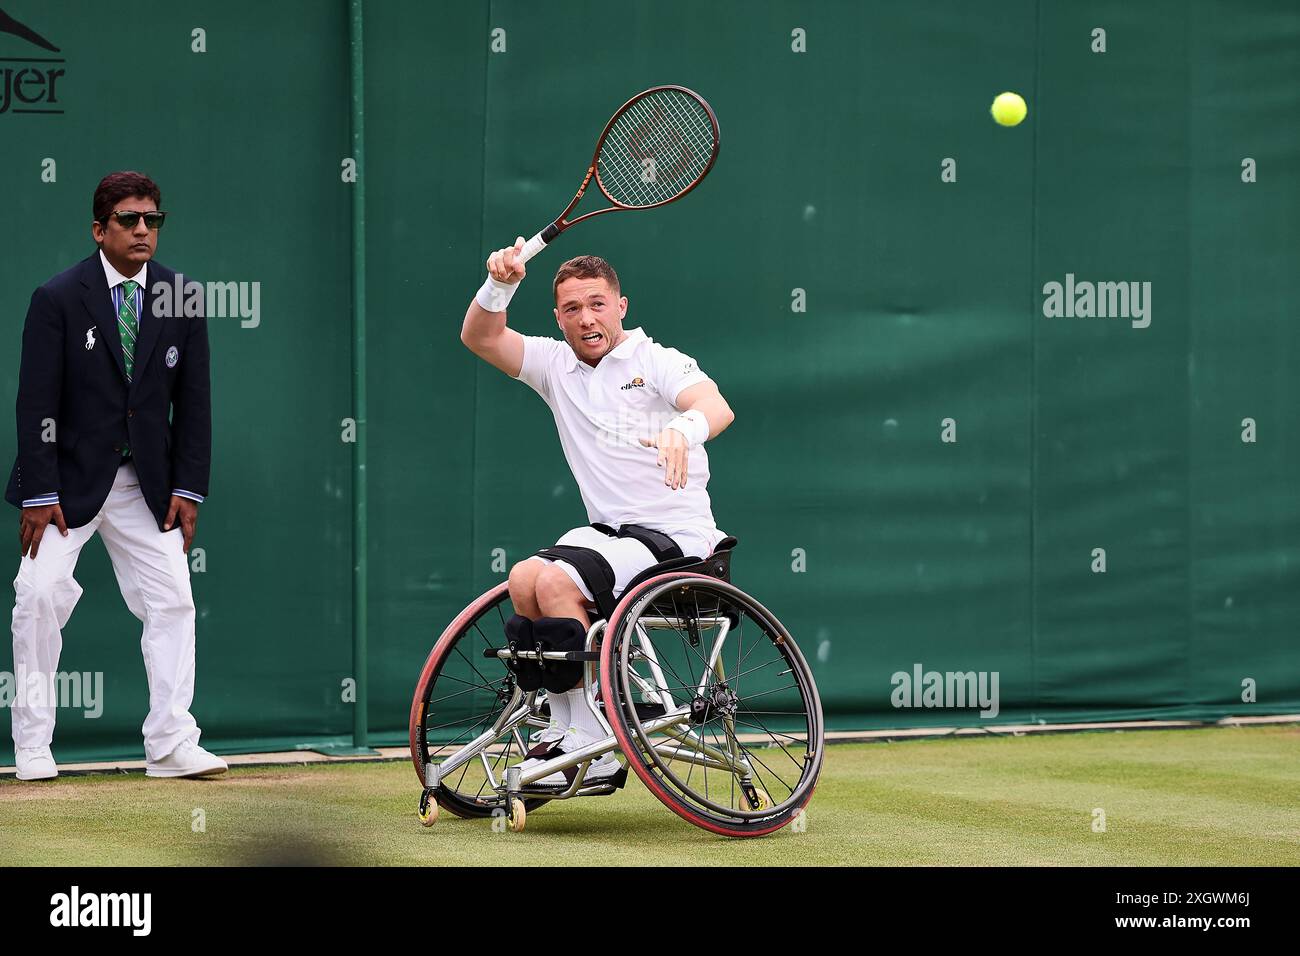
519,637
560,634
592,568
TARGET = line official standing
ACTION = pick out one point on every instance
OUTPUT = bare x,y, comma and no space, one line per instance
101,376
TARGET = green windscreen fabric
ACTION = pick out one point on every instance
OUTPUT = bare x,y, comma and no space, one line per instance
926,472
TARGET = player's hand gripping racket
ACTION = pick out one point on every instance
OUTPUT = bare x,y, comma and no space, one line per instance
654,150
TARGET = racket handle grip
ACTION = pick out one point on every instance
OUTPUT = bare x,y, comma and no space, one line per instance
538,242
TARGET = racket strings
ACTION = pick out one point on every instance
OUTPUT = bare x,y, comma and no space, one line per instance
657,149
663,144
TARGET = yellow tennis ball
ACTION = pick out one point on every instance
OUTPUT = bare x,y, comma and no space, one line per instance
1008,109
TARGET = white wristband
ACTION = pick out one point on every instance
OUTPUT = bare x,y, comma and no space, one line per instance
693,425
494,296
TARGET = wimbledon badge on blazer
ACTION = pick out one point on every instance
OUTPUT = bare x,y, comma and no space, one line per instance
173,356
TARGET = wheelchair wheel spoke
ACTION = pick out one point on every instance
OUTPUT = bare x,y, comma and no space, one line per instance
774,690
460,680
689,771
483,719
483,637
733,678
724,745
758,723
741,663
470,732
789,756
667,665
731,746
772,773
471,664
685,638
705,768
748,752
794,738
460,781
460,693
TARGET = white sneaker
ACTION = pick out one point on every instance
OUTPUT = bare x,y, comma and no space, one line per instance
187,760
570,741
35,763
547,735
606,766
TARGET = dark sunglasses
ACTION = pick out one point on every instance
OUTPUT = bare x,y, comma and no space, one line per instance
127,219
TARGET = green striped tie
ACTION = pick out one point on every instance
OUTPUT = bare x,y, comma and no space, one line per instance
129,325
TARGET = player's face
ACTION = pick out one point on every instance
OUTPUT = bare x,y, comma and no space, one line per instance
591,317
133,246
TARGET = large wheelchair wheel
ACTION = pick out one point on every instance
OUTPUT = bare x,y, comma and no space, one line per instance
712,704
469,704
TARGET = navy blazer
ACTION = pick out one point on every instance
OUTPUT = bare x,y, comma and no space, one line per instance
73,372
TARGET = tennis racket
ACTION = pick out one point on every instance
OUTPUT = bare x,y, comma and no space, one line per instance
653,151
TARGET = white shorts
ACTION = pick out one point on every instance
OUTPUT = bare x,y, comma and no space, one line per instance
626,556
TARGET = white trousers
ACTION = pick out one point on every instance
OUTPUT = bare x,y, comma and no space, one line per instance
154,576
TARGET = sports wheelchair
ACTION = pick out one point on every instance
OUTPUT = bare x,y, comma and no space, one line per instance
699,686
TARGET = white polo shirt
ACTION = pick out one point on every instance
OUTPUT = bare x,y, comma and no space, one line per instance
600,413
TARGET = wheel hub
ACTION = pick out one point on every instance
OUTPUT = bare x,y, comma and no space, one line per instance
717,701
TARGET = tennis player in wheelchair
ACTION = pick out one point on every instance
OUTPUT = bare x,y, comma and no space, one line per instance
632,417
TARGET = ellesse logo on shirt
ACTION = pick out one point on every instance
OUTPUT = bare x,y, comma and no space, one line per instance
637,382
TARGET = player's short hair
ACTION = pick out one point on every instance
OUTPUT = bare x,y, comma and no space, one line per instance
115,187
585,267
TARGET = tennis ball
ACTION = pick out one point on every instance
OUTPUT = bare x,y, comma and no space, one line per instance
1008,109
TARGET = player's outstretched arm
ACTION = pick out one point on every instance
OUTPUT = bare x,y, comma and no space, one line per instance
484,330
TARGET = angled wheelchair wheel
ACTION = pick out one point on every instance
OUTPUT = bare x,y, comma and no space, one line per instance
468,709
712,704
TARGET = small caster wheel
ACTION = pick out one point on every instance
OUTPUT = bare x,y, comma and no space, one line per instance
428,810
518,816
758,798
